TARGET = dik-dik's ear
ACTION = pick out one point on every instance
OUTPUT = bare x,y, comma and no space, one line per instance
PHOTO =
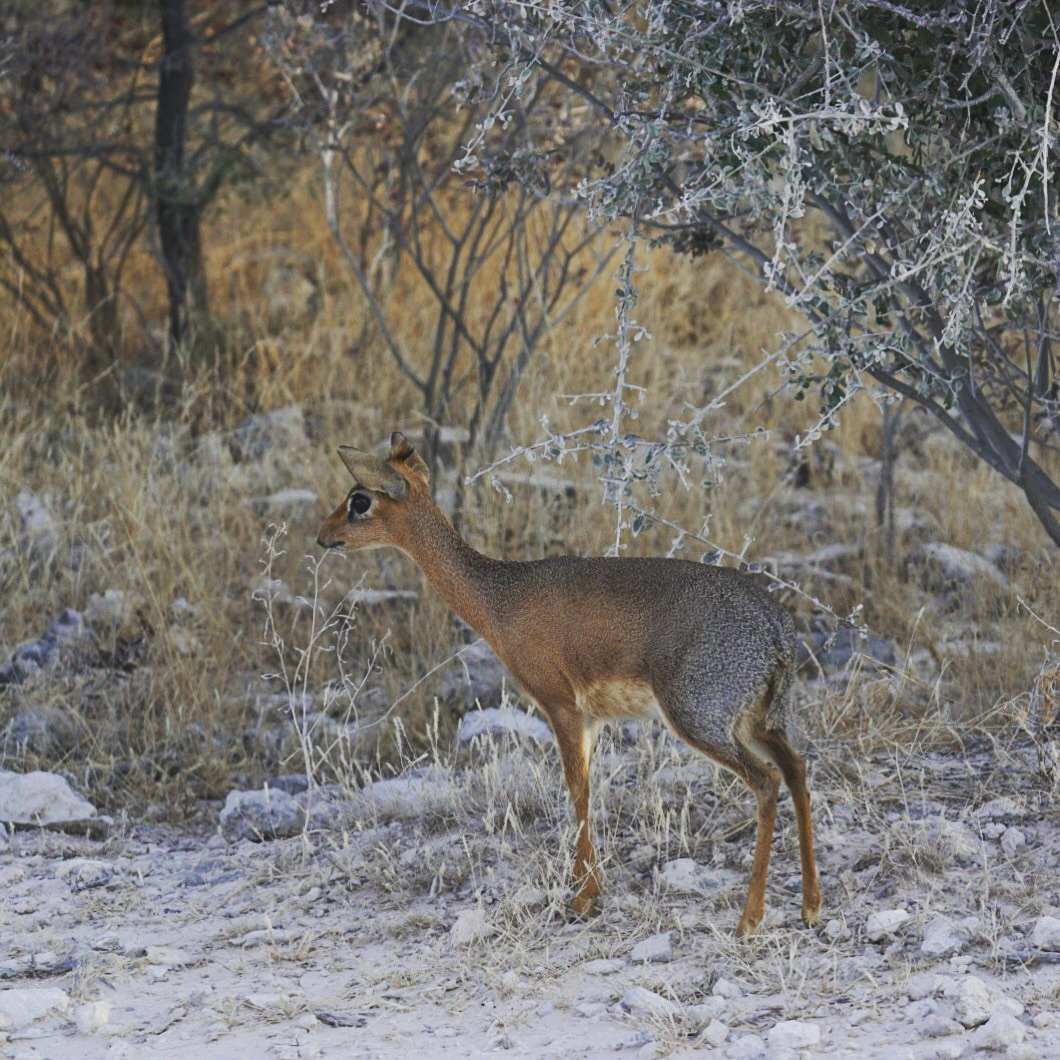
401,452
373,473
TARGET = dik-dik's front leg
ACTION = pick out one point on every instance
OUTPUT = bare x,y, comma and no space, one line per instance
576,736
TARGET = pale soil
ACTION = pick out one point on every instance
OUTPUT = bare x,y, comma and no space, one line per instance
205,950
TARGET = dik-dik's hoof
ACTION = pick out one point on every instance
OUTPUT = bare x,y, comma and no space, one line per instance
583,906
747,926
811,914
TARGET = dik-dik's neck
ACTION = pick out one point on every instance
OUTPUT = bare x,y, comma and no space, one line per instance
468,581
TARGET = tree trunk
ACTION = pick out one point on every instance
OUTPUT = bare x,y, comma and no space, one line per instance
177,205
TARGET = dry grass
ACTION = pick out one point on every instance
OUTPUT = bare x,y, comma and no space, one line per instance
153,503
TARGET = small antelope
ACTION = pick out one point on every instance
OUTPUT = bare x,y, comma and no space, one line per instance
595,640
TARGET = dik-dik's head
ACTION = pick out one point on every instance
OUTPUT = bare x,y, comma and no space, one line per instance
372,514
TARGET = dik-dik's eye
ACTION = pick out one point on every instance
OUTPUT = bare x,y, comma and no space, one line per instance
358,504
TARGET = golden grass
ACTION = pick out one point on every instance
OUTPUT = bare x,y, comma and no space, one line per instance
154,501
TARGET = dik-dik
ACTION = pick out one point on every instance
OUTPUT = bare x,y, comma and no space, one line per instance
594,640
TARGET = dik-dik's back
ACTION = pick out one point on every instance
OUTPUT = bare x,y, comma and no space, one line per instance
650,627
591,640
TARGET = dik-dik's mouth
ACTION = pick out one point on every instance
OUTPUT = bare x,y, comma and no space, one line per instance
329,544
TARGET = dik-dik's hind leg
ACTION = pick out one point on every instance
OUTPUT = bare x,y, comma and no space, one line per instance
793,769
765,784
576,737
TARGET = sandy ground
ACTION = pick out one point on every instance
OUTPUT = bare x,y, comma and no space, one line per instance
358,943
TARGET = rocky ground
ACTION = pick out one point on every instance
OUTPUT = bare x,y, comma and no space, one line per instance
424,916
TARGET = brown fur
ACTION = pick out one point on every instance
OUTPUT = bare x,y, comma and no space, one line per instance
594,640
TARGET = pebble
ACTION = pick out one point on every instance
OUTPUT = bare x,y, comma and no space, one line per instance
727,989
169,956
924,984
643,1002
654,950
603,966
885,922
714,1034
1046,933
747,1047
709,1009
918,1010
998,1033
91,1017
81,874
940,1027
795,1034
837,930
683,876
1012,839
470,926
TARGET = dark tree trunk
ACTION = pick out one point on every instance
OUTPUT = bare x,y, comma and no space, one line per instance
176,203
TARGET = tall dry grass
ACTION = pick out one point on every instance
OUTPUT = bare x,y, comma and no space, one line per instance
153,502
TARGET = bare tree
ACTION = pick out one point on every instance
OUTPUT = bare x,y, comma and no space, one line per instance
921,138
498,259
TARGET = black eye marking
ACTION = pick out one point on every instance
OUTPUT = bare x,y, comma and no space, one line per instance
358,503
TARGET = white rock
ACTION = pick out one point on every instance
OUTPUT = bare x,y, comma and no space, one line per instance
603,966
683,876
996,808
975,1002
926,984
885,922
107,611
998,1033
494,721
836,930
946,567
83,873
1022,1051
169,956
642,1002
21,1007
706,1011
34,514
918,1010
938,1026
714,1034
656,950
89,1018
747,1047
470,926
795,1034
409,795
259,815
252,939
1046,933
40,798
942,936
1012,839
727,989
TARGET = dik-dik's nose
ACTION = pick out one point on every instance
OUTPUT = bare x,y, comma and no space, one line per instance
325,541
